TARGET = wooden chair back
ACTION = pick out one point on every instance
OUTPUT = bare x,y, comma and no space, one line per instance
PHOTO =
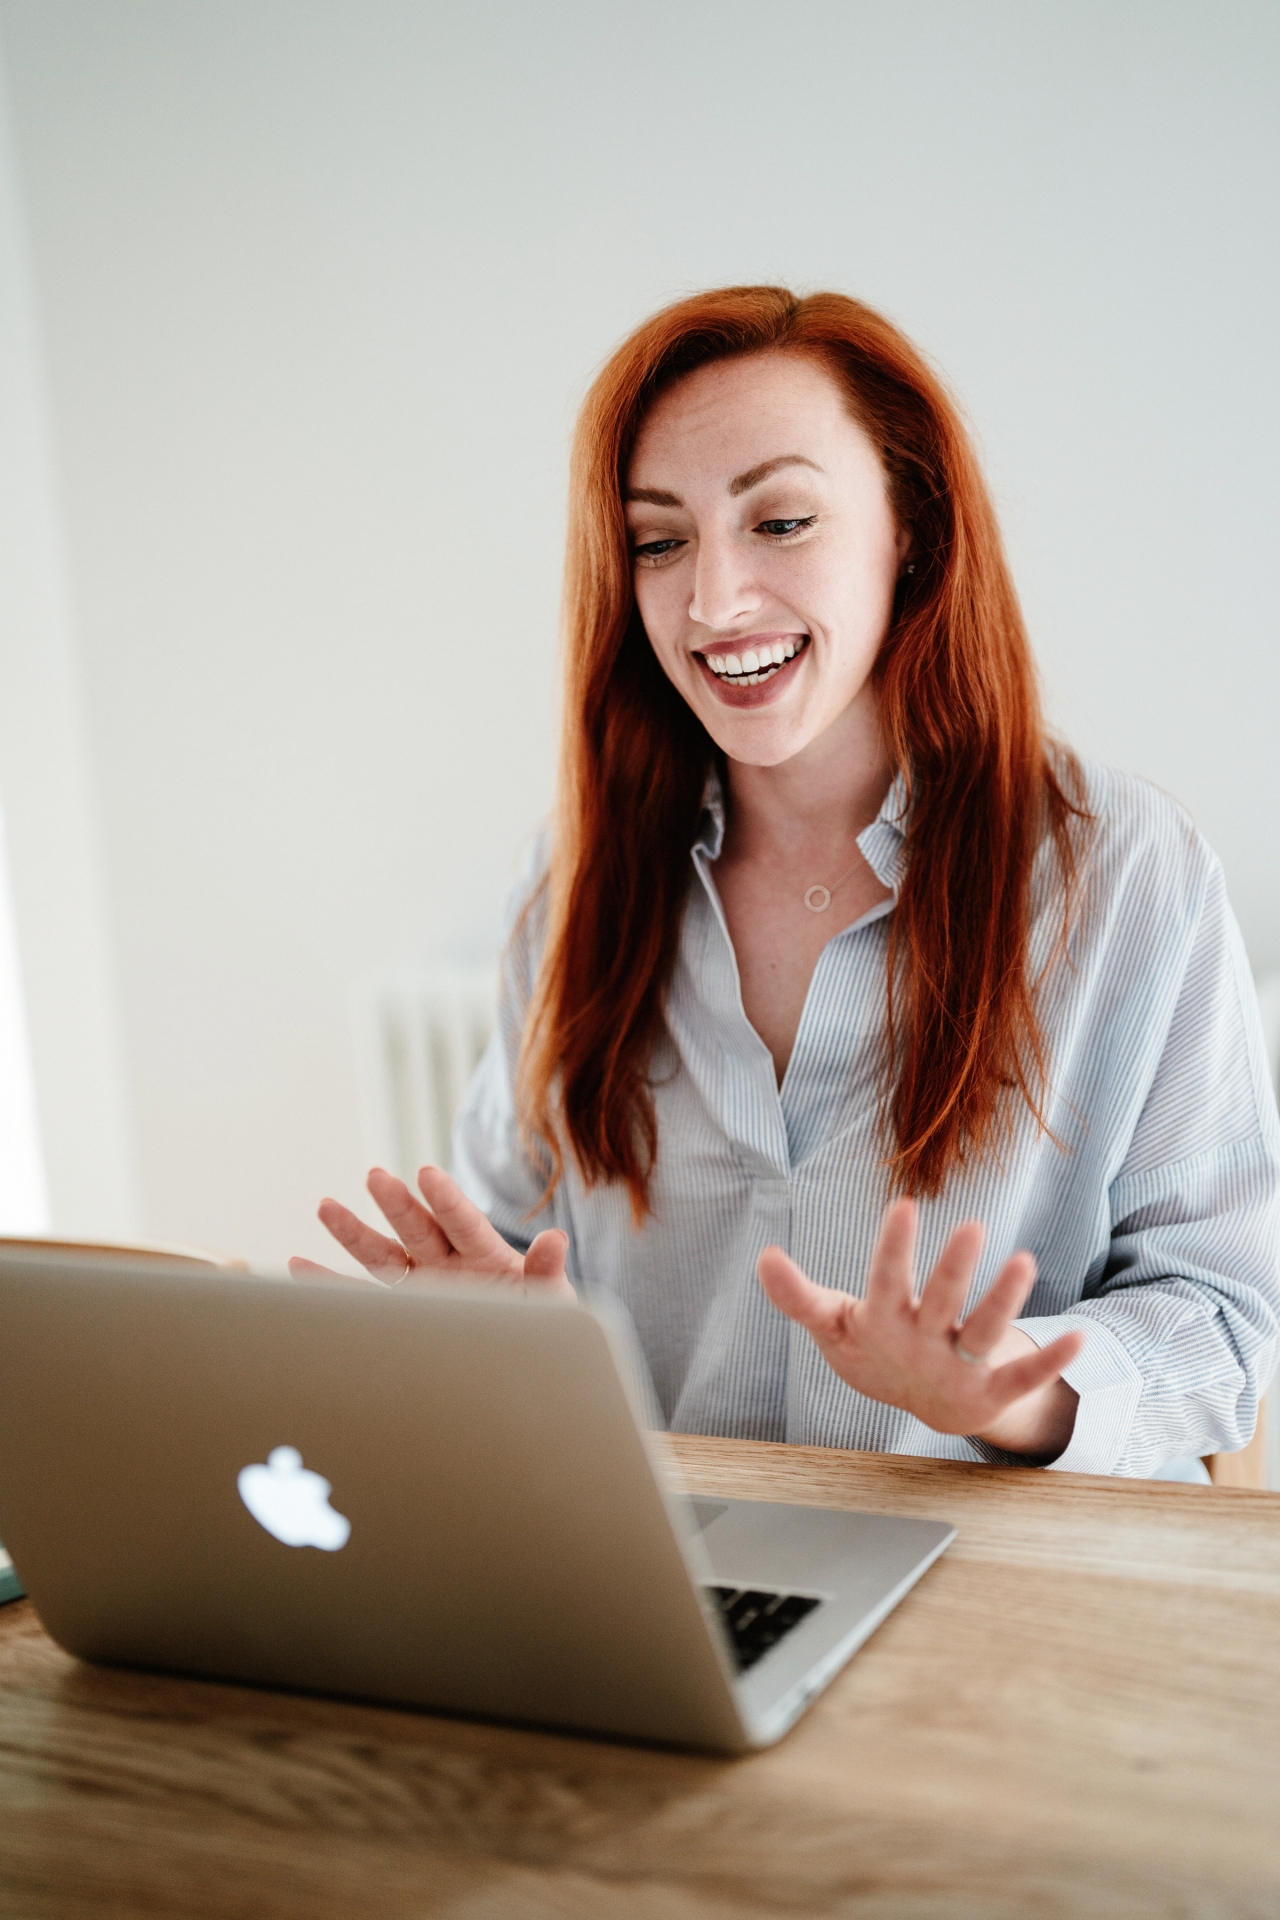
1248,1467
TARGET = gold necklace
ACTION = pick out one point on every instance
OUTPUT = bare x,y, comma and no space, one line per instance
818,899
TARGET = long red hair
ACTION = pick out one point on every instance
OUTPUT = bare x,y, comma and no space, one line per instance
961,719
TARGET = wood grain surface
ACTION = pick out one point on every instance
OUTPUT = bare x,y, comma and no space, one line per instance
1076,1712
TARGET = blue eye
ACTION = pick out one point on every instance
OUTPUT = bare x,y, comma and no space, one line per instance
780,529
654,549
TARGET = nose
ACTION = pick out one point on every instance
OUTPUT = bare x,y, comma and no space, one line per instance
724,590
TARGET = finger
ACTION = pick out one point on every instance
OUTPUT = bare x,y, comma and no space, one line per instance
544,1264
947,1287
427,1244
891,1276
999,1306
1019,1377
300,1269
820,1310
475,1238
385,1259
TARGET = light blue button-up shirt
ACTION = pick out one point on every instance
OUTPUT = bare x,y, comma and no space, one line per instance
1153,1211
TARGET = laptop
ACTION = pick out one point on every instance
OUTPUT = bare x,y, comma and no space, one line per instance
440,1497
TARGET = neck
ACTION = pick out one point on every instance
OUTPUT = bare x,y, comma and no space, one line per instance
817,803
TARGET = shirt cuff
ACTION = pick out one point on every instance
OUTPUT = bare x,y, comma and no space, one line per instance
1109,1383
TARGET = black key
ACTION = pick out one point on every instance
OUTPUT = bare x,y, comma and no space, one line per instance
758,1618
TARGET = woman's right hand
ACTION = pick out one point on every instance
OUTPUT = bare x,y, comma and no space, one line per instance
446,1237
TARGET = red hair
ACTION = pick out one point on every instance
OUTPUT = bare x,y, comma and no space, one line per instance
961,720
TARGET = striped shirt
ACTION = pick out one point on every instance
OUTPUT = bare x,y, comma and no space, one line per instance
1153,1211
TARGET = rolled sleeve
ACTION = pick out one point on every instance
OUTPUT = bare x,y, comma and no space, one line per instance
1109,1382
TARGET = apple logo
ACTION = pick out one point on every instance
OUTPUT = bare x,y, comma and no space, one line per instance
292,1503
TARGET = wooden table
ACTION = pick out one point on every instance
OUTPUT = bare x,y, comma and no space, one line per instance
1076,1712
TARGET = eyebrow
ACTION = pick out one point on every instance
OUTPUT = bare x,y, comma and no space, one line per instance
754,475
653,496
658,497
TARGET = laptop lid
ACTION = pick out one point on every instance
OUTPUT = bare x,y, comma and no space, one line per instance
492,1538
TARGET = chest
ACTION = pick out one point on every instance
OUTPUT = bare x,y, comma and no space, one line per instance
778,939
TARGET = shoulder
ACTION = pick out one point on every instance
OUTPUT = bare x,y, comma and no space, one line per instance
525,916
1139,836
530,884
1145,871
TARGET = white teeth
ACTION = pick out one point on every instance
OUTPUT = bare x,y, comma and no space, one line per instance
755,679
754,660
755,665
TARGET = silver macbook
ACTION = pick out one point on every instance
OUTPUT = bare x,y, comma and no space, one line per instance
440,1498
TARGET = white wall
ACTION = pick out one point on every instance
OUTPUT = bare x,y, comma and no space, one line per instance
319,286
24,1192
67,1142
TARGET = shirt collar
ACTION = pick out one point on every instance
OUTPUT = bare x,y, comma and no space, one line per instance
711,826
883,844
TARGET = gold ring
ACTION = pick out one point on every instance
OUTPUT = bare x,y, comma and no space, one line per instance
408,1269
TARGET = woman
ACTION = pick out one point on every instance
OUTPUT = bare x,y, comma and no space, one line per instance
827,924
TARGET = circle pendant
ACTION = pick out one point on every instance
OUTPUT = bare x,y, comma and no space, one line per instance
818,899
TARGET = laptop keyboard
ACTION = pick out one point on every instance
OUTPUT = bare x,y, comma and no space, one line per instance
758,1619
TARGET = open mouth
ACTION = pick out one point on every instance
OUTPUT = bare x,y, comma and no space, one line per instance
754,665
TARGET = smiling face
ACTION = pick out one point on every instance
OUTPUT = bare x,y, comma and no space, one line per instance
766,552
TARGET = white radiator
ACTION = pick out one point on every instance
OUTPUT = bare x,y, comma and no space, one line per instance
419,1038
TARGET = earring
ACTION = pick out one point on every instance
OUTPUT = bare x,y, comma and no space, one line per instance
910,567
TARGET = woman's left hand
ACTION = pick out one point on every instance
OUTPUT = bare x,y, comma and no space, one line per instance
982,1377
